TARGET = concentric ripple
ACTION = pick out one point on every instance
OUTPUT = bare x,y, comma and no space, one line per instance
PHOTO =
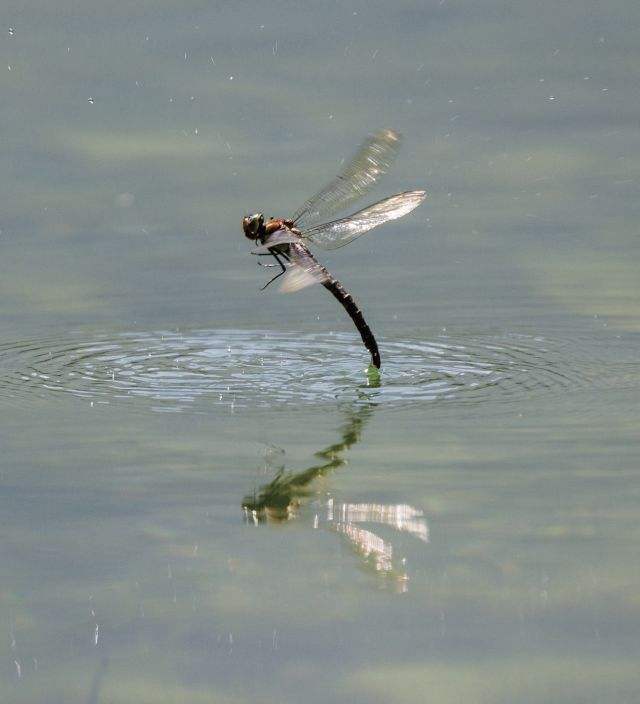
195,370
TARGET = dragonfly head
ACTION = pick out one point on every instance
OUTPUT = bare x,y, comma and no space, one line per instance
253,225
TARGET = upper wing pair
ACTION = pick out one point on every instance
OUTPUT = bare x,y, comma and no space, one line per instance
371,161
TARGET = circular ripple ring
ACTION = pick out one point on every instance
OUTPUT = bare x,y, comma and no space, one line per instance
177,371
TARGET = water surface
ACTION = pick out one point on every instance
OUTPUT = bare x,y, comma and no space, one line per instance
204,495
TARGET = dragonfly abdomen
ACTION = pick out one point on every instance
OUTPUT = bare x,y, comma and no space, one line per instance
348,303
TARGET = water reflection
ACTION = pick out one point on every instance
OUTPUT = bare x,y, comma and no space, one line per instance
289,494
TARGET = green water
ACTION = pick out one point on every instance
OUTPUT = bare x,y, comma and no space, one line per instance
204,496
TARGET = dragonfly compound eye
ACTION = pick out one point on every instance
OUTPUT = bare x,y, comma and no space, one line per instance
251,224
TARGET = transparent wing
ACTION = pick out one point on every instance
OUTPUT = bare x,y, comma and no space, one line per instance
337,233
373,159
303,270
282,236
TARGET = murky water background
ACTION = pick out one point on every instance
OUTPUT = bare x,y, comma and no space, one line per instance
204,497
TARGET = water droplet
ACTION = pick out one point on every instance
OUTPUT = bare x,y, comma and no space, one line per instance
12,31
91,100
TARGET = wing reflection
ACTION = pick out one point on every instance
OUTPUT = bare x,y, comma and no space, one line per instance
402,517
284,497
369,545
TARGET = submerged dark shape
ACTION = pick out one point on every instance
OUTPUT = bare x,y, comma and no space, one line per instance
287,240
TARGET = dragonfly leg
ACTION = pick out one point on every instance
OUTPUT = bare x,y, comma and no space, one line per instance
265,254
277,276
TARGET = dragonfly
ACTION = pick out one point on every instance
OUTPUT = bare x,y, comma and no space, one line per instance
288,241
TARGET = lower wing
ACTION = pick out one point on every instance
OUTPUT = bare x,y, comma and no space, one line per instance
303,271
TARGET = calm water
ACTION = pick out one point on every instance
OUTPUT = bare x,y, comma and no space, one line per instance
203,497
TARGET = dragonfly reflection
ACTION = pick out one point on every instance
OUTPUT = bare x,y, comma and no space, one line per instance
288,240
285,496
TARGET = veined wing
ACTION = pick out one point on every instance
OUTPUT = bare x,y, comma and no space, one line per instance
373,159
281,236
337,233
303,270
